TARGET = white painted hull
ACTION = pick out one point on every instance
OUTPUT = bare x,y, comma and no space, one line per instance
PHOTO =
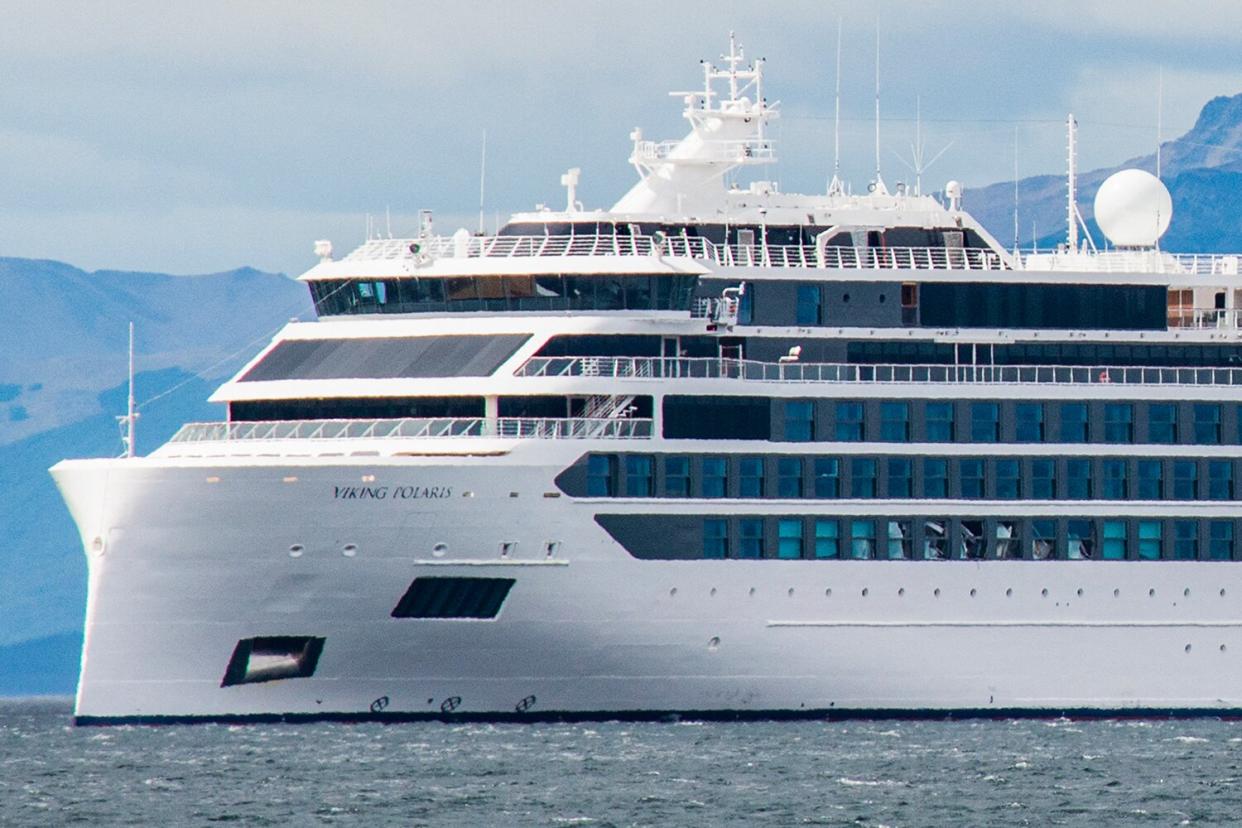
187,568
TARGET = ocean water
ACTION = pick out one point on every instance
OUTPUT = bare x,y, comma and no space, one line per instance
857,773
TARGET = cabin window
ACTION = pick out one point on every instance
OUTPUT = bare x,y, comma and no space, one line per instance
1043,479
827,538
1119,423
715,477
677,476
601,475
1043,539
750,538
1185,479
1008,478
1220,479
1185,540
1220,540
895,422
1113,484
1113,540
899,483
715,538
1079,541
1150,479
1029,422
1007,539
939,422
1074,422
1207,424
1181,307
789,477
972,540
827,477
750,478
1078,479
862,477
789,538
639,475
972,471
800,421
935,477
1162,423
985,422
935,540
808,307
862,539
899,540
1150,540
850,421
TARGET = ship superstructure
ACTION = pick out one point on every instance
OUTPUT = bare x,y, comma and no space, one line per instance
718,450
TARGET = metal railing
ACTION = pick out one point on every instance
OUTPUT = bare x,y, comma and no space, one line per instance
578,428
1204,318
708,368
428,248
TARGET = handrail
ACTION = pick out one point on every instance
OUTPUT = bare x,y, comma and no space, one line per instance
750,370
421,250
570,428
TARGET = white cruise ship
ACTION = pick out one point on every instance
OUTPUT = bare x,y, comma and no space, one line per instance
717,451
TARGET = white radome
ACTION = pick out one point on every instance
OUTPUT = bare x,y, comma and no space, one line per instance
1133,208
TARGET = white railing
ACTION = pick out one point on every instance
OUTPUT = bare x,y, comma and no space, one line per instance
708,368
735,151
580,428
1204,318
423,250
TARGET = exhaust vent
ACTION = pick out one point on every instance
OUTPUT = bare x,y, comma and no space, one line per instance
272,657
453,598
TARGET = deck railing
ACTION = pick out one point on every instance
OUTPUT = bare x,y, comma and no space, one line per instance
579,428
707,368
790,256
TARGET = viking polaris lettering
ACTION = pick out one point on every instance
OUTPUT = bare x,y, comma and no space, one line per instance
719,450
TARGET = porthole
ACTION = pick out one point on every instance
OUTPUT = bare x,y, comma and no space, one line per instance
936,592
712,593
1009,592
1116,593
901,591
881,298
1222,648
1151,593
713,643
973,592
752,592
865,592
1222,593
672,593
1044,592
1187,648
828,592
791,591
1186,592
349,550
439,550
296,550
845,297
1078,592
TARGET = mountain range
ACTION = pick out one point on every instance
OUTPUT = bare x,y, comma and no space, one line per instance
63,366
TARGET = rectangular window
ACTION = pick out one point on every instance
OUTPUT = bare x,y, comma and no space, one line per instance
1220,540
935,540
850,422
750,477
1007,539
1043,478
1113,486
601,475
1220,479
639,475
1029,422
827,477
1162,423
1074,422
1043,539
1207,424
973,540
1150,540
1185,479
1008,481
895,422
800,421
1150,479
1078,479
862,539
899,484
1186,540
898,540
715,477
1079,542
809,305
715,538
677,476
1113,540
985,422
789,477
972,477
1119,423
862,477
938,419
750,538
827,539
789,538
935,477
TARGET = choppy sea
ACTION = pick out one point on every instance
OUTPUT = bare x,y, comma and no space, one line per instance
857,773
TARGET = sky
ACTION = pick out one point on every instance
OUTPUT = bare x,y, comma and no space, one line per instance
195,137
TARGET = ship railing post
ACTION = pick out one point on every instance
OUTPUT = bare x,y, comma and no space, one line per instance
491,414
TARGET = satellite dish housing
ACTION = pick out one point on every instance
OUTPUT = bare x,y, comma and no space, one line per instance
1133,208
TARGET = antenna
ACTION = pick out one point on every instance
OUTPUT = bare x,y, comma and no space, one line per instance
1017,241
482,179
879,182
1159,117
130,415
834,186
917,164
388,219
1071,236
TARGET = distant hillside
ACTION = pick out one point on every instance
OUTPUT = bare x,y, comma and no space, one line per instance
1202,169
64,332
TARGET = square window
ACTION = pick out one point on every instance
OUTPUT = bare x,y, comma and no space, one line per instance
827,539
1074,422
1043,479
715,538
1119,423
1150,540
1207,424
1078,479
895,422
972,478
899,477
1007,540
800,421
827,477
899,540
1079,540
1008,481
750,477
1113,542
1162,423
938,420
1186,540
601,475
985,422
1113,486
715,477
750,538
850,422
639,475
1150,479
789,477
809,302
862,477
862,539
677,476
1185,479
973,540
1029,422
1043,539
789,538
1220,540
935,477
1220,479
936,540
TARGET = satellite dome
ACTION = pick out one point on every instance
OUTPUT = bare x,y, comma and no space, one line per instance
1133,208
